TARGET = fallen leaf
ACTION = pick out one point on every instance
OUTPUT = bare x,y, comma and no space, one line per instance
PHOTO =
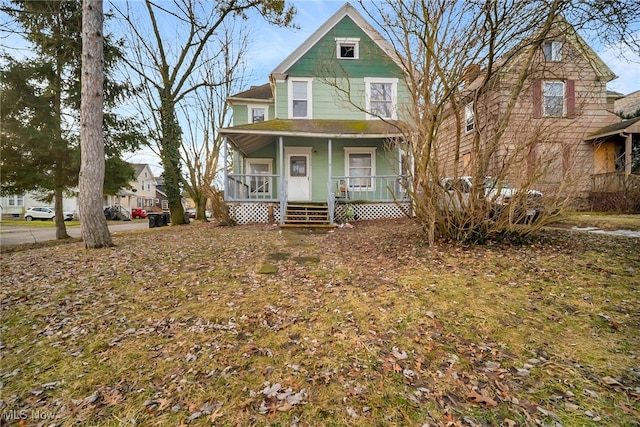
481,398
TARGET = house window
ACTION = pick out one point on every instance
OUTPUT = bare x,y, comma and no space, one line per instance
553,98
552,51
257,114
381,95
348,48
142,187
360,167
259,184
300,98
148,186
15,200
165,205
469,117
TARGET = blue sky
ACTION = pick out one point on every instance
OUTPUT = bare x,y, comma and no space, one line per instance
271,45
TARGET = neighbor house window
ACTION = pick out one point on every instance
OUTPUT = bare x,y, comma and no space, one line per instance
469,117
15,200
257,114
381,95
348,48
300,98
552,51
553,98
257,183
361,167
165,205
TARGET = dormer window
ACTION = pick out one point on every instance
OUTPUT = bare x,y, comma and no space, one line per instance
347,48
552,51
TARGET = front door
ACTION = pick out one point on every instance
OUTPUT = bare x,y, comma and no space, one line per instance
298,173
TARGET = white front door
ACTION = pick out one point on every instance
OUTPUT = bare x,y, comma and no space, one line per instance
298,173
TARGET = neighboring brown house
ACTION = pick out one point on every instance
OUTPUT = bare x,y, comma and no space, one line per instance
628,105
552,133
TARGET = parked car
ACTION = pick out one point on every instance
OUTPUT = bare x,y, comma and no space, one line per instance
496,192
137,213
45,213
191,213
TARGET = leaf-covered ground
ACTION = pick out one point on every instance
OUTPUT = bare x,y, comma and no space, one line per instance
250,325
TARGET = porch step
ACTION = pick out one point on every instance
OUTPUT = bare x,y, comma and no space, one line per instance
300,214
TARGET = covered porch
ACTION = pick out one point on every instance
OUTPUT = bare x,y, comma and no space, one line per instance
615,183
331,163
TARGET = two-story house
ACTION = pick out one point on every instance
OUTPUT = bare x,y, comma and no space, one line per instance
561,133
140,194
316,143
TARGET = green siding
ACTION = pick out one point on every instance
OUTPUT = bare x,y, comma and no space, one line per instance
321,58
330,102
240,114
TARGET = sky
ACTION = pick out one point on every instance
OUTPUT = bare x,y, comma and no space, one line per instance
271,45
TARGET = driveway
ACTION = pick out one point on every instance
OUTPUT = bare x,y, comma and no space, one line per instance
16,235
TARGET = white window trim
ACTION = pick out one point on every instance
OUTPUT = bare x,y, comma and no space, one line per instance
556,50
309,82
259,161
251,107
361,150
564,99
394,96
469,113
355,41
15,200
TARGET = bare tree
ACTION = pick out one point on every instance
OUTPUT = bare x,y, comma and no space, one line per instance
92,168
477,61
202,147
171,71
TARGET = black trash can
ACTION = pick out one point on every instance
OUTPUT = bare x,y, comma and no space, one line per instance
166,218
154,220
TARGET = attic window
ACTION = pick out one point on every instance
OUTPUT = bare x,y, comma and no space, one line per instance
348,48
553,51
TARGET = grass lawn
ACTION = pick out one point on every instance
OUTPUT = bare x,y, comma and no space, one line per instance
251,325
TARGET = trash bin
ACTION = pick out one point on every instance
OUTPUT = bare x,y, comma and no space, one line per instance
160,222
166,218
153,220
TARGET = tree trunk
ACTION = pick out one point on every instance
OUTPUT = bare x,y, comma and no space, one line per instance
93,222
61,229
170,154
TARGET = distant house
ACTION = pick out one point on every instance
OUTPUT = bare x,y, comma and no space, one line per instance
140,194
302,152
627,105
14,206
564,110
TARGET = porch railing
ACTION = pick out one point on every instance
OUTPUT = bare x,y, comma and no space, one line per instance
614,182
252,187
375,188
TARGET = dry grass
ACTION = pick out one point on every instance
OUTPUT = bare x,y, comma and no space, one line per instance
602,220
357,327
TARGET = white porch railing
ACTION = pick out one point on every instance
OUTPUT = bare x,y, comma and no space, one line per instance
252,188
378,188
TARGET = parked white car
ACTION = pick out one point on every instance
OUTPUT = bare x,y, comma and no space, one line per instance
45,213
498,193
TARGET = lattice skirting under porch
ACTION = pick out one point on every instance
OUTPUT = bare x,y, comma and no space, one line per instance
372,211
255,213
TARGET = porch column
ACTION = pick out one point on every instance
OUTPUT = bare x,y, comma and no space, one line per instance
225,172
627,155
281,185
331,201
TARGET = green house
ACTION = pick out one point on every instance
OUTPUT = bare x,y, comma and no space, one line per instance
318,144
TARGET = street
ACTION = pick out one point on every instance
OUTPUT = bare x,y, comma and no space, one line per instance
15,235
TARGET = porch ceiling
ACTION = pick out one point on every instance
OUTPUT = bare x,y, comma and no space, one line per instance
251,137
625,126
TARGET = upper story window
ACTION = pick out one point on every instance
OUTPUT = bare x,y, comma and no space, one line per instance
257,114
381,97
552,51
348,48
300,98
553,98
15,200
469,117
